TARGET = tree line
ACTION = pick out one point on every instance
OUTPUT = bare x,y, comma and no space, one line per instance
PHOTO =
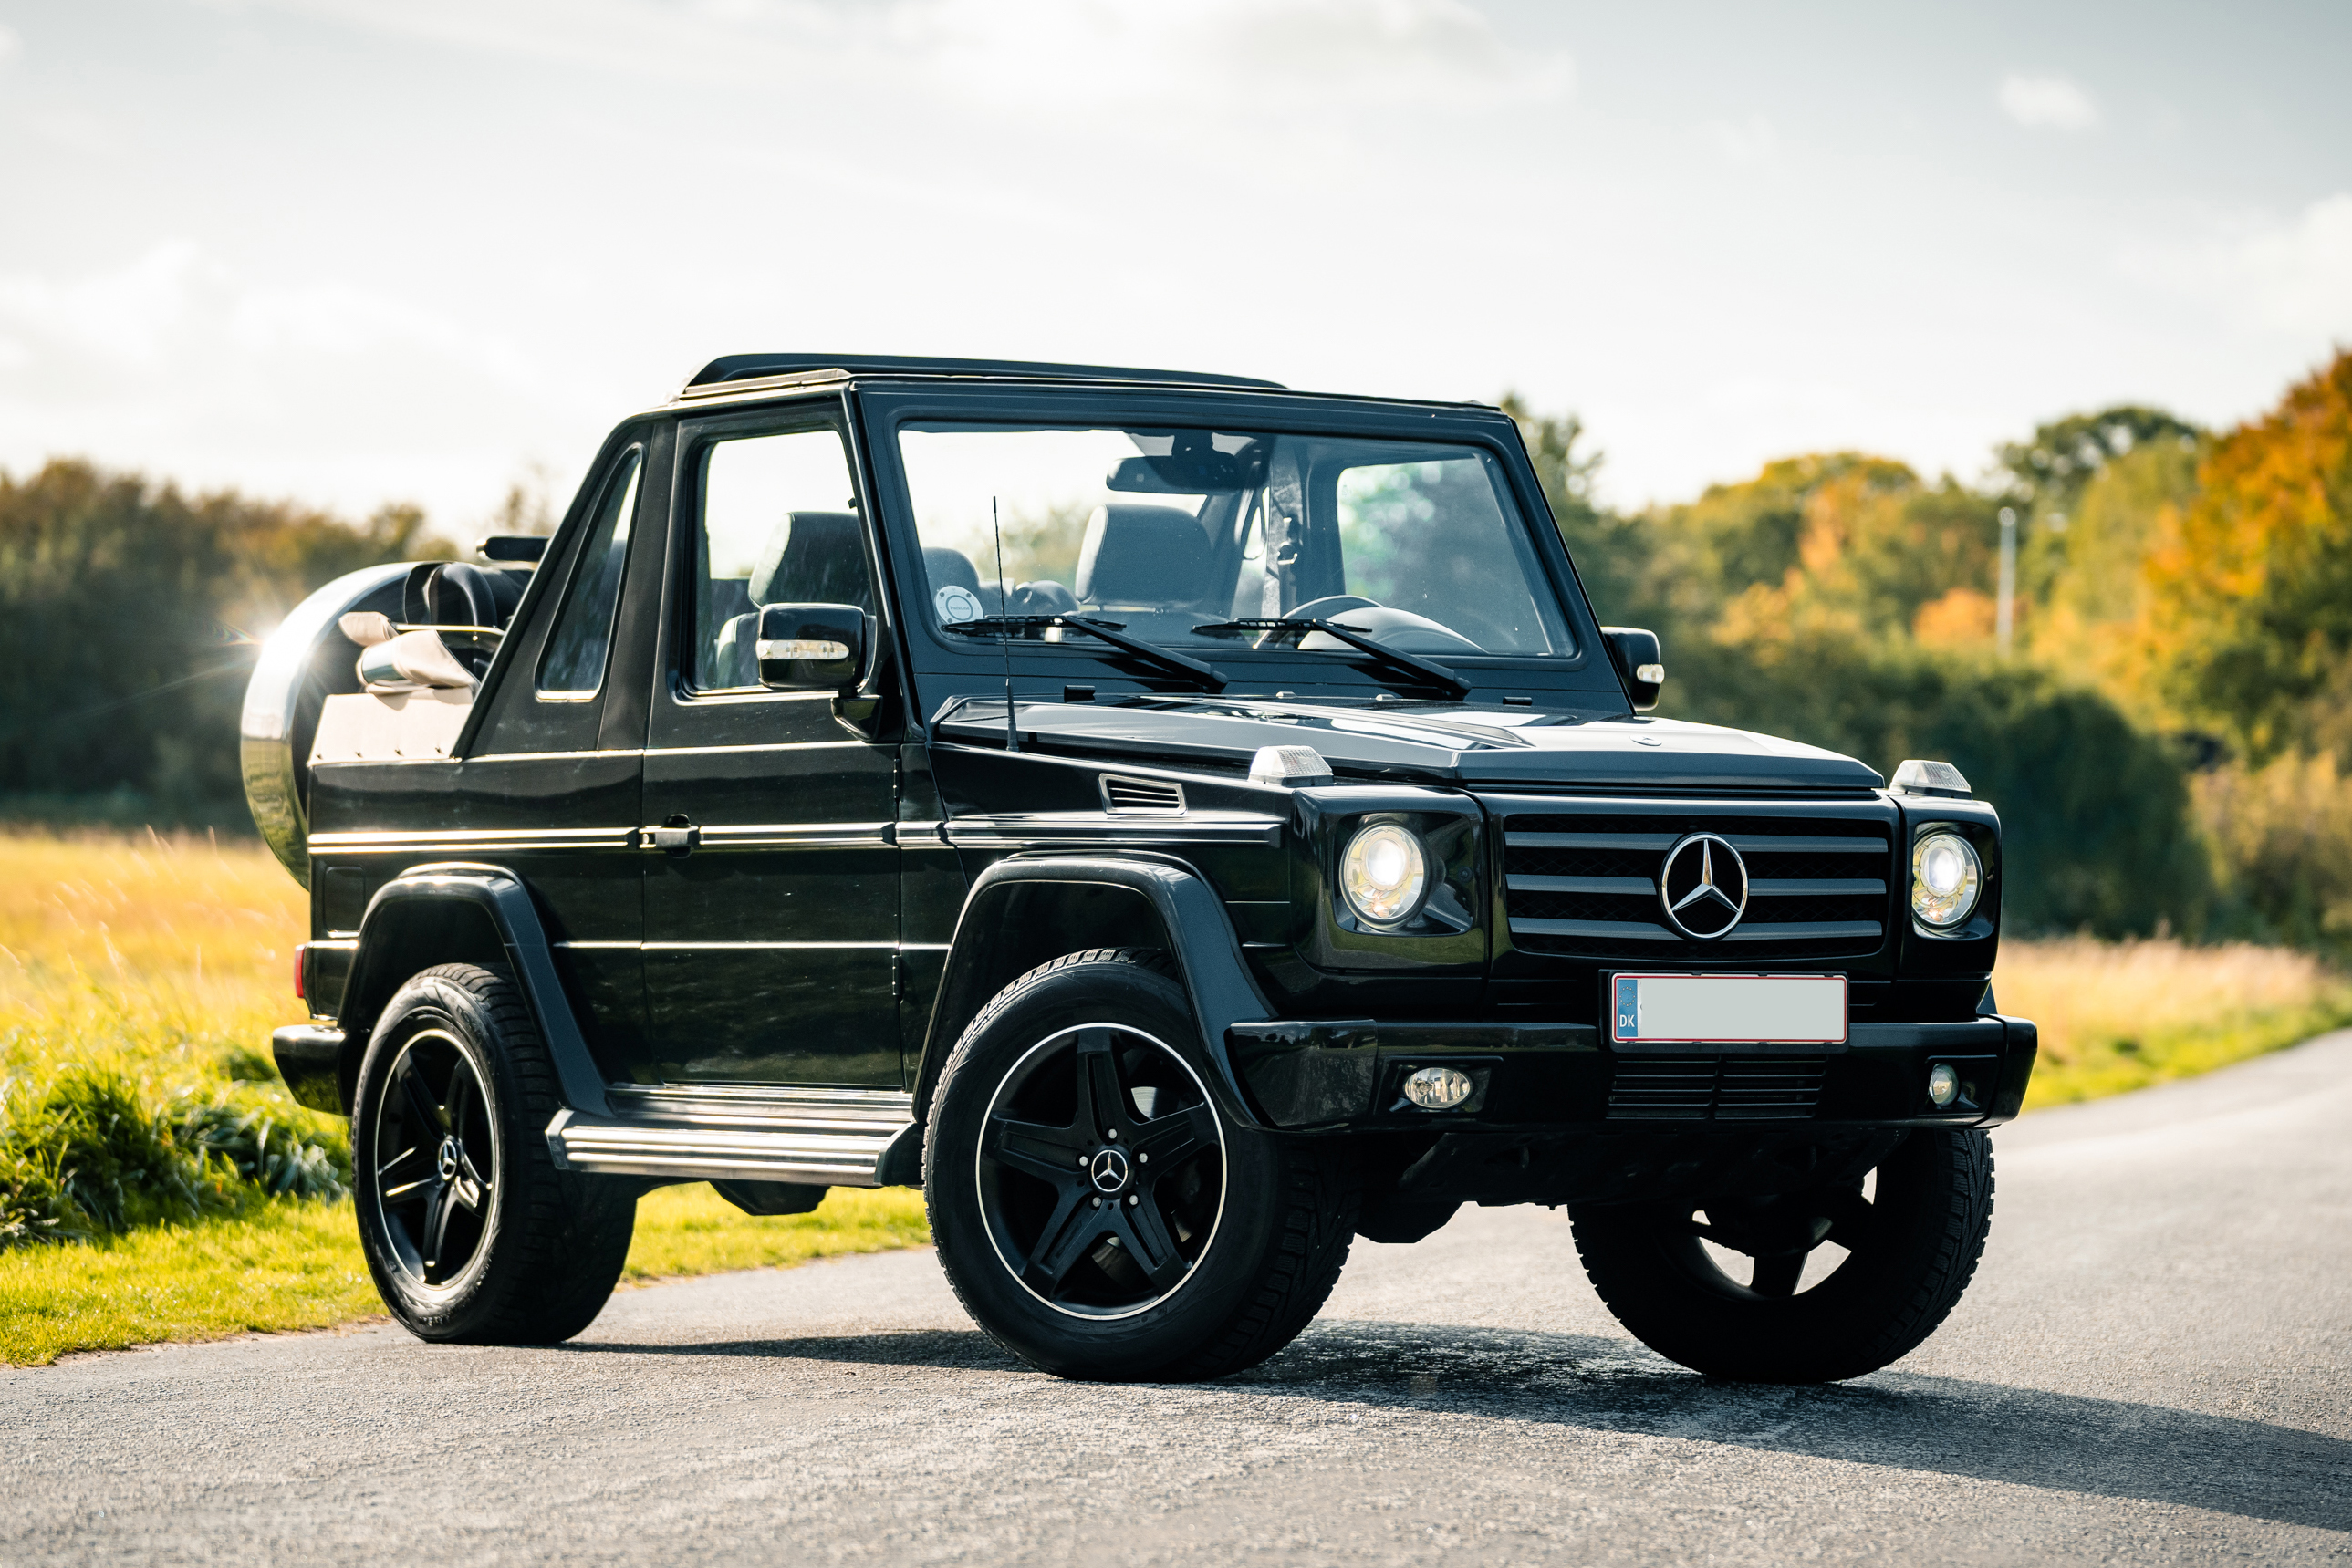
2167,734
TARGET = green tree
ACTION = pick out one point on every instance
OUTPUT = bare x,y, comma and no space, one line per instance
129,617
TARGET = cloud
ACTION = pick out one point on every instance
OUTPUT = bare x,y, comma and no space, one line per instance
1053,54
2047,103
11,45
2294,276
1751,141
177,317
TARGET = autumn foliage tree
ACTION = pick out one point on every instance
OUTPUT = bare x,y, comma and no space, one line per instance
2251,609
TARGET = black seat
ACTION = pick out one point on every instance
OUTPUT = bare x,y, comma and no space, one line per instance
814,558
1144,558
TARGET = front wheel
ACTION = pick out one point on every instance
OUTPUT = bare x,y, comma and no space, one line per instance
1669,1271
471,1231
1097,1213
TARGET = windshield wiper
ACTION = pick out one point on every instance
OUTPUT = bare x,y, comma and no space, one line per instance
1207,677
1396,659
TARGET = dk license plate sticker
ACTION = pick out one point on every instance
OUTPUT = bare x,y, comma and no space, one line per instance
1728,1009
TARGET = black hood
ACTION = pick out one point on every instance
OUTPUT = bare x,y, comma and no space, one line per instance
1426,743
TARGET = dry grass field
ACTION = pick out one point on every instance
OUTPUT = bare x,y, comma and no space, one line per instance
140,976
155,968
2122,1014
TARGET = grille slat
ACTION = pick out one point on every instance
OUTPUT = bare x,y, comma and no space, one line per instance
1125,797
1715,1089
1586,885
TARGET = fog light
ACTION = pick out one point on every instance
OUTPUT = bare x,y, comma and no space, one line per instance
1438,1088
1943,1084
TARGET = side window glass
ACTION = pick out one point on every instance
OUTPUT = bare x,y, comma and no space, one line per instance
778,526
573,667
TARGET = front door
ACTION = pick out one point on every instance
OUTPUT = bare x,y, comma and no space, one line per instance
771,917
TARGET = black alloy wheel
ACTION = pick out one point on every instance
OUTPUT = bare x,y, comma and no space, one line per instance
436,1196
1903,1255
1098,1208
1101,1171
471,1233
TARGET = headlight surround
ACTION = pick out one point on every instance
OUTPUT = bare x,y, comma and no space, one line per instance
1947,879
1385,873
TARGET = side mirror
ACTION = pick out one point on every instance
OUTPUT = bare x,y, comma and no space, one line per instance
812,647
1640,661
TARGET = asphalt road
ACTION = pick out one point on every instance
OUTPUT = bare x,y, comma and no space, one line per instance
2155,1365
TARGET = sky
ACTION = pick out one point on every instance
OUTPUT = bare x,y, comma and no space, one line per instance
348,252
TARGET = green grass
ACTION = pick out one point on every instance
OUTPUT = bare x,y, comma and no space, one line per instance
282,1264
139,977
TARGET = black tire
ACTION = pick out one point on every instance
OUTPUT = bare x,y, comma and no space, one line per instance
1192,1288
1911,1250
472,1234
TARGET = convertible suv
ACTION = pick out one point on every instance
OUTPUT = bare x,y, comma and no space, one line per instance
1183,823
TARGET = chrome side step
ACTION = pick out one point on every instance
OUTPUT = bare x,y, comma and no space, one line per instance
822,1137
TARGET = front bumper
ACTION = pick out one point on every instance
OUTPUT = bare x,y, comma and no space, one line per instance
1346,1076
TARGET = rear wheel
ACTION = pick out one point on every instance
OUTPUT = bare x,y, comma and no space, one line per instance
1097,1213
471,1231
1726,1289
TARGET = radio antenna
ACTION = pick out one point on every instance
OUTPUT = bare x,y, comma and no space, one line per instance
1004,628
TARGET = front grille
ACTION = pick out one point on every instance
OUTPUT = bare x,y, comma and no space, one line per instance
1587,886
1714,1088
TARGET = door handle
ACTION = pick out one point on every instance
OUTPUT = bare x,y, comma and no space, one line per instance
677,837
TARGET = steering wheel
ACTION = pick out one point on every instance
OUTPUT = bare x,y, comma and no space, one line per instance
1322,609
1403,630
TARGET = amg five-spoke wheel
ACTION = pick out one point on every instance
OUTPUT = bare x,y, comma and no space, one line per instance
1101,1170
471,1231
1909,1248
434,1192
1100,1207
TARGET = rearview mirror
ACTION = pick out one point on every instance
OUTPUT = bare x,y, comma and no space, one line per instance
812,647
1640,661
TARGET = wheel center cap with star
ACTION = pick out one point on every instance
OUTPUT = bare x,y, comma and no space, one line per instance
445,1159
1703,886
1108,1170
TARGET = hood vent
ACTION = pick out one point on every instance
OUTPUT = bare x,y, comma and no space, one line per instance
1125,797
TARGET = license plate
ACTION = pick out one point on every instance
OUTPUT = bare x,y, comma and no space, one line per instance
1726,1009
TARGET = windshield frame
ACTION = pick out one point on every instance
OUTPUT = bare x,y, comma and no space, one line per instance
959,664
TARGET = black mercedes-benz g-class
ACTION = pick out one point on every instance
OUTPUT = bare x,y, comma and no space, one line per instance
1183,823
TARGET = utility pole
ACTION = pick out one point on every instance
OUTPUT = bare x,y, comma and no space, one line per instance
2005,616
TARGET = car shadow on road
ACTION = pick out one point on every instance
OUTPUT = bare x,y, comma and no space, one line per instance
1949,1425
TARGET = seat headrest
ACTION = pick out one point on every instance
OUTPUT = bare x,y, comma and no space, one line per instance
951,569
815,557
1144,556
458,593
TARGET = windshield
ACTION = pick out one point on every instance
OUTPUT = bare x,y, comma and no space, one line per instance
1415,545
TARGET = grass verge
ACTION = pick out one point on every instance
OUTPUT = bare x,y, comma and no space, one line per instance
2119,1016
282,1264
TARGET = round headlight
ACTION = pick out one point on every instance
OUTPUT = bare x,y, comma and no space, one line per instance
1383,873
1946,877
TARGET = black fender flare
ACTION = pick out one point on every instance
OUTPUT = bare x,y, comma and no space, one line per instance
1215,977
382,962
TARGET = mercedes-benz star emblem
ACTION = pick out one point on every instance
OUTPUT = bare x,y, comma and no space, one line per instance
1108,1171
1704,887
